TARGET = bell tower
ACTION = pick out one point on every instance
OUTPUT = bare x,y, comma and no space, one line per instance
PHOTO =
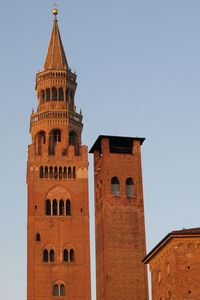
58,249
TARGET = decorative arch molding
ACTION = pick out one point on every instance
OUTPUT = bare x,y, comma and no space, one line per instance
58,192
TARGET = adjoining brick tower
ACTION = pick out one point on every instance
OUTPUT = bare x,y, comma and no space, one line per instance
119,218
57,179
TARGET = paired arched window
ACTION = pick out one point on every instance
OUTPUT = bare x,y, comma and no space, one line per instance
48,256
68,208
68,257
129,187
115,186
58,207
58,290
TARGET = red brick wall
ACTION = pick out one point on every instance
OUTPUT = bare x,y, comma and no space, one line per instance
120,229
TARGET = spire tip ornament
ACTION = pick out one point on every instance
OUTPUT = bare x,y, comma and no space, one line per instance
55,10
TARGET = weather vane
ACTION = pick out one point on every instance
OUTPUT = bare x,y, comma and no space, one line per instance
55,10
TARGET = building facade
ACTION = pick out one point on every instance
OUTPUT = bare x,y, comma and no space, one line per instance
57,181
175,266
119,219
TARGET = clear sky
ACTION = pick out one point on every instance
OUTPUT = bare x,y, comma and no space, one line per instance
138,67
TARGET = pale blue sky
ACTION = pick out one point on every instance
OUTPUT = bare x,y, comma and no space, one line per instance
138,67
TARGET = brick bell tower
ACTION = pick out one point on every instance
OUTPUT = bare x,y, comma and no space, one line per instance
57,180
119,219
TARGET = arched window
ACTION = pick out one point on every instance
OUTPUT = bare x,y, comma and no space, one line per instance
55,172
55,290
45,255
47,94
54,137
74,140
114,186
40,140
41,172
60,172
72,97
43,96
50,172
62,290
74,172
54,94
60,94
67,95
46,172
71,255
129,187
69,173
48,207
65,255
38,237
52,256
55,207
68,208
61,208
65,173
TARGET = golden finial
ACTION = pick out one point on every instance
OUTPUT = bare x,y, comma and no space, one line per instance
55,10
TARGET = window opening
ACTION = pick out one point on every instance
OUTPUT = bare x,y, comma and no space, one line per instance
60,94
52,257
65,255
61,208
55,290
55,207
60,172
68,208
45,255
48,207
74,140
129,187
69,173
47,94
55,172
74,172
54,94
115,186
71,255
38,237
62,290
41,172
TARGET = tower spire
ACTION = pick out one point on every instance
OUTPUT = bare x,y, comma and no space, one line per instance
56,58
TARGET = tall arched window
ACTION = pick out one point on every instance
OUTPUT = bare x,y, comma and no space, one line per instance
129,187
48,207
40,140
61,208
45,255
69,173
55,172
41,172
62,290
42,96
72,97
52,256
115,186
71,255
50,172
54,94
65,173
47,94
60,94
68,208
74,140
55,290
67,95
60,172
65,255
46,172
54,138
55,207
74,172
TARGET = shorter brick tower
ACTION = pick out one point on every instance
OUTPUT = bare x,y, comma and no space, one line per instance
119,218
175,266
